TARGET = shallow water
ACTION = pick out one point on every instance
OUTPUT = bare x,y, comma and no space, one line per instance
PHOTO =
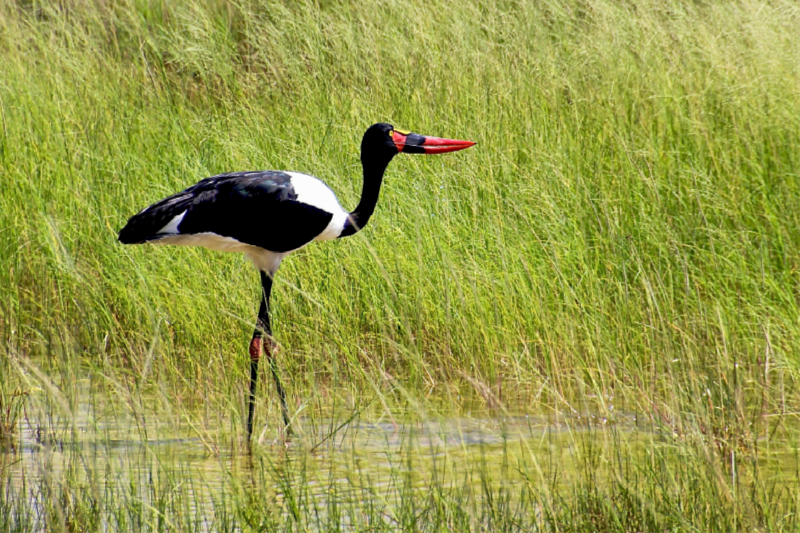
139,464
92,447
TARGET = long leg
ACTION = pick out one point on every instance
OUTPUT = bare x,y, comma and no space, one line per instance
263,327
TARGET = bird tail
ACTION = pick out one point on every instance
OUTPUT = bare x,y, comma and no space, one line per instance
156,221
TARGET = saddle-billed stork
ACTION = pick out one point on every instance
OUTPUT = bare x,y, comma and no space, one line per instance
269,214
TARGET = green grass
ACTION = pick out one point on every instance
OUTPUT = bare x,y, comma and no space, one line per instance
624,238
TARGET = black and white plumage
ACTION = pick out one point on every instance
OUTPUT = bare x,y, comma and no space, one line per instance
264,214
268,214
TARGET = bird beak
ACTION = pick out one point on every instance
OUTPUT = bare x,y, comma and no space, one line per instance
414,143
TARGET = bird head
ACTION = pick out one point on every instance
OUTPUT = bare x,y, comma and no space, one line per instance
385,141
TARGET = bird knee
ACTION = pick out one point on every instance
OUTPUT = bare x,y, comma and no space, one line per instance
255,348
270,348
258,346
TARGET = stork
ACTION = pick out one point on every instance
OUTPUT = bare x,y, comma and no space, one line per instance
269,214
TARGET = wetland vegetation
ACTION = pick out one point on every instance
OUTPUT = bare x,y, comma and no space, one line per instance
588,322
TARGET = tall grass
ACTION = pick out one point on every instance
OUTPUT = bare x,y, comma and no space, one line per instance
597,479
624,236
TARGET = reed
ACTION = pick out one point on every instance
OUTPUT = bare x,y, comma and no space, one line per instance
623,239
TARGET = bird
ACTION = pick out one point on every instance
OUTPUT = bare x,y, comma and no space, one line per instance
267,215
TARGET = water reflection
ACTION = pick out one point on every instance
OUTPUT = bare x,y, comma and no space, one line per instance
138,465
121,451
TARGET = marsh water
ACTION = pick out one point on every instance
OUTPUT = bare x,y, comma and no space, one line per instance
338,460
348,451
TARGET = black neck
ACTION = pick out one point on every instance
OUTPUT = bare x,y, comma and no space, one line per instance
374,168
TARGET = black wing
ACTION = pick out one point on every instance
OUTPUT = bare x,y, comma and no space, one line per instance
257,208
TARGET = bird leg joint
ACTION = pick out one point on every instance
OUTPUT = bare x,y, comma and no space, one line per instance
258,346
255,348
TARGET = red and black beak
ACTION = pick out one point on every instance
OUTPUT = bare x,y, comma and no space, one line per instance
414,143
